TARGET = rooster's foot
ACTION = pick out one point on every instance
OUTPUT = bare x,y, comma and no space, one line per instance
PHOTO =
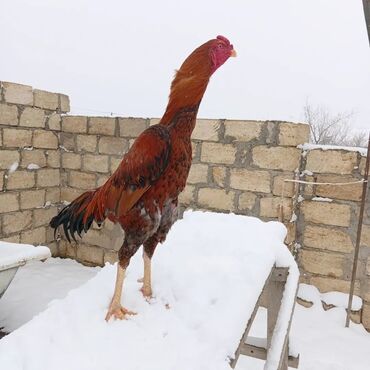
147,292
118,312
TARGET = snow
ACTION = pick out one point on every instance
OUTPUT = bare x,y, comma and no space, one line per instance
33,166
65,149
38,283
207,276
307,173
339,299
319,336
310,293
13,254
293,218
308,146
320,199
13,167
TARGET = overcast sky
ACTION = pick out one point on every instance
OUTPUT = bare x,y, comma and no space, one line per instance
120,56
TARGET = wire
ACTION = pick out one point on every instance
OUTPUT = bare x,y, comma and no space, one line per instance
326,183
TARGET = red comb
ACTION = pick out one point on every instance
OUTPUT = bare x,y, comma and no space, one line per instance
224,39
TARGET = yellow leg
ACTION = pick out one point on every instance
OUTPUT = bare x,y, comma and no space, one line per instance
115,308
147,280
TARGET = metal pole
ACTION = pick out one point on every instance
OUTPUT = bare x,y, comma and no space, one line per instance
359,229
366,6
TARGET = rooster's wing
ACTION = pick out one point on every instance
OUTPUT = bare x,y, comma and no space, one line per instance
142,165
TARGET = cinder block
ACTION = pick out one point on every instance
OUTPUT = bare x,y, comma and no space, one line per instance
86,143
34,236
243,130
250,180
74,124
71,161
7,158
331,161
32,199
326,213
218,153
64,103
21,180
293,134
198,173
328,264
32,117
102,126
276,158
15,222
45,139
15,138
216,198
95,163
206,129
48,177
45,99
8,115
113,145
132,127
9,202
17,93
33,157
82,180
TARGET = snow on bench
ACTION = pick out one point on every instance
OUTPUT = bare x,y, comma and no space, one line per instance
207,278
13,255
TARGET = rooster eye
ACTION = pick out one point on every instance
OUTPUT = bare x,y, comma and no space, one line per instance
220,46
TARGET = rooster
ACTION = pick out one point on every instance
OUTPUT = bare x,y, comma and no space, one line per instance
142,194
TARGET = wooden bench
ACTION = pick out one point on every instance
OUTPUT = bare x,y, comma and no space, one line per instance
270,298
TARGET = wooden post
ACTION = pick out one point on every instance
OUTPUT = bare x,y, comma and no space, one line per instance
358,238
275,294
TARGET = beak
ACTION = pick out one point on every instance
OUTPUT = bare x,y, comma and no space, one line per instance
233,53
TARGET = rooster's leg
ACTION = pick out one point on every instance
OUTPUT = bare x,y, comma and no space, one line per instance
115,308
149,248
147,279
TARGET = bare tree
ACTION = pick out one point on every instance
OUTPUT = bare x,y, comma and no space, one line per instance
326,128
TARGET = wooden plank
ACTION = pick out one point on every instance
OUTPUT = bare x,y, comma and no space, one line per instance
261,353
275,291
284,359
270,297
280,274
249,325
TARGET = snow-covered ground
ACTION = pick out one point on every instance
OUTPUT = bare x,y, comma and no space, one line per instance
206,280
205,316
37,284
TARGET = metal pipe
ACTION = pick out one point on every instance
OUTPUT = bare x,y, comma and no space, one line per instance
359,229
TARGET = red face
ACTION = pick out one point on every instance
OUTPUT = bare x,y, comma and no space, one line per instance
221,51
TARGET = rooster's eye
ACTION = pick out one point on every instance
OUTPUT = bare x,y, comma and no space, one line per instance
220,46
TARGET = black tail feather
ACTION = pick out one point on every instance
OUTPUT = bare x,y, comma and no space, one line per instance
71,217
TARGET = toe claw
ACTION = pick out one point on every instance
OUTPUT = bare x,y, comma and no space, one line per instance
118,312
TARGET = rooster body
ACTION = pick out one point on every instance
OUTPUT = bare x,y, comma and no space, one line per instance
142,194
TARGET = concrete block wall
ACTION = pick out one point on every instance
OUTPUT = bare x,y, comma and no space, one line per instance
327,223
29,162
237,167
